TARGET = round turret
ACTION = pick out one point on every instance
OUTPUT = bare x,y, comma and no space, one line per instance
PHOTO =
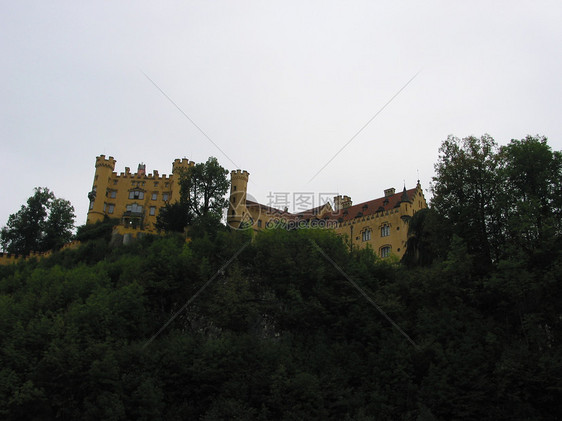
104,170
237,202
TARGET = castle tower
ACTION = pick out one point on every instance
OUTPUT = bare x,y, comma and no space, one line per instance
237,203
178,166
104,170
342,202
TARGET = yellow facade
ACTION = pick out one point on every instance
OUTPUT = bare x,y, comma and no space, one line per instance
381,224
134,198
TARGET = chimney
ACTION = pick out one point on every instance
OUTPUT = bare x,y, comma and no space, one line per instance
389,192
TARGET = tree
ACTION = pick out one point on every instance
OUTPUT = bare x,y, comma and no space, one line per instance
500,201
465,192
43,224
532,194
58,226
202,198
174,217
203,187
428,238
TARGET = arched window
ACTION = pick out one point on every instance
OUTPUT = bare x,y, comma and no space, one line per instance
385,251
366,235
385,230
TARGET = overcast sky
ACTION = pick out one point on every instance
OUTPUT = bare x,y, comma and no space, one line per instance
280,87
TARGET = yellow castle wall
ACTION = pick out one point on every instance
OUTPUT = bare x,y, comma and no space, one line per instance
259,218
113,193
397,219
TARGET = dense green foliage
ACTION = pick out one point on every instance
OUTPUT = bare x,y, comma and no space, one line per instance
44,223
281,334
500,200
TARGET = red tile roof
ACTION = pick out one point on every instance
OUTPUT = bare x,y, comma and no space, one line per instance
362,209
373,206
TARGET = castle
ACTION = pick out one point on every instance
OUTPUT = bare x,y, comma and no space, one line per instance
380,223
136,200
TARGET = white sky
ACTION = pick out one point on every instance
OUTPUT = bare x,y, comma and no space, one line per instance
279,86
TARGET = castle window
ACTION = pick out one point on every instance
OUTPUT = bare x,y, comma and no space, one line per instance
385,251
156,184
152,210
134,208
366,235
91,205
136,194
165,196
114,182
110,208
154,196
113,194
259,223
385,230
233,188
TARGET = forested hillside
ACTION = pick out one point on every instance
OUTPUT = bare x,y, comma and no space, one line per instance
290,325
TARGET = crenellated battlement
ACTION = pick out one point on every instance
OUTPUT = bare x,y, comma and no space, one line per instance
108,163
181,163
236,174
154,176
111,192
103,162
9,258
